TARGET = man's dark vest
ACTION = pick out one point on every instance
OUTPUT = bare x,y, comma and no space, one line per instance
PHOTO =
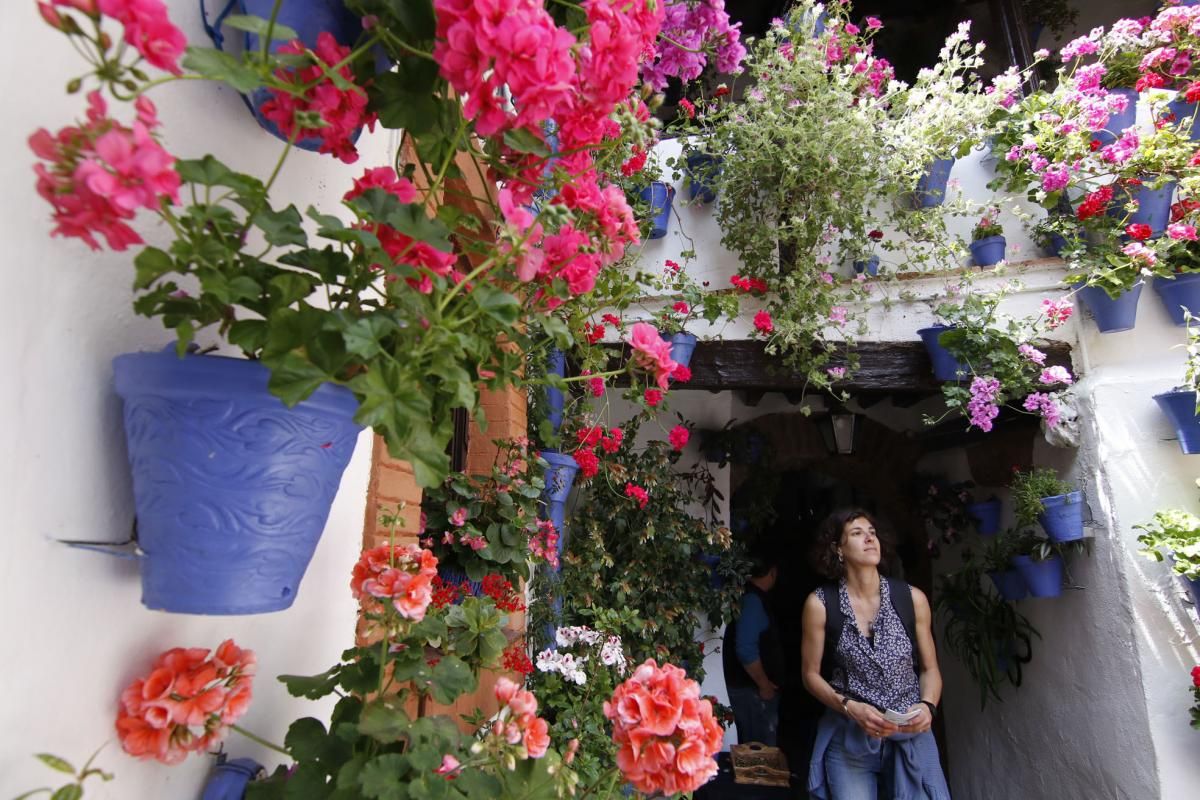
770,651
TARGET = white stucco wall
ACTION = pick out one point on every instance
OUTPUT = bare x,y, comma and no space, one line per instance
73,628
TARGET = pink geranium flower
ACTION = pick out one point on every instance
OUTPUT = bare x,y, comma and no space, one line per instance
678,437
147,29
651,352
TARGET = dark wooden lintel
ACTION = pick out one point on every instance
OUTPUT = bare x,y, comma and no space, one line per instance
900,367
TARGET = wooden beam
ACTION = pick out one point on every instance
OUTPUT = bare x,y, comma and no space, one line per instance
752,397
955,432
741,364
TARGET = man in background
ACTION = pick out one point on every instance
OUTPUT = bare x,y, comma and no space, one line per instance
753,658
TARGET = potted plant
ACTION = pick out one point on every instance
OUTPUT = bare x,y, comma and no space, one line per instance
1175,534
997,563
1177,268
1181,405
683,301
1039,495
986,514
1040,564
997,359
867,261
352,319
987,239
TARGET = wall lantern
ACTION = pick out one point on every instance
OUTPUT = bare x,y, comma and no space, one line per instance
839,429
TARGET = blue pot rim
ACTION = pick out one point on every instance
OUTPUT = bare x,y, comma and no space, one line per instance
1069,499
164,373
998,238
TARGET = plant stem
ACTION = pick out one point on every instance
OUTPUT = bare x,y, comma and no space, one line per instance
259,740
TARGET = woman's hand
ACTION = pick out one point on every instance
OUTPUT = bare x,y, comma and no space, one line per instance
921,722
870,720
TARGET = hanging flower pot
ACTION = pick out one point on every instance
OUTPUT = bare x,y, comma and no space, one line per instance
1153,206
560,477
231,487
683,344
556,364
701,172
1111,316
931,188
1180,407
1063,517
945,366
308,18
1117,123
1009,584
1178,292
230,777
1185,114
660,196
989,251
1193,585
986,516
1042,578
870,266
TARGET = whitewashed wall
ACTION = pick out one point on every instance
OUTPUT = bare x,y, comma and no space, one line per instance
73,629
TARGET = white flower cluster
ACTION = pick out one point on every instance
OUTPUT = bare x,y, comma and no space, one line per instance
571,665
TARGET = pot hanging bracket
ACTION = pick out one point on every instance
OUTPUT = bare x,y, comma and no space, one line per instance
127,549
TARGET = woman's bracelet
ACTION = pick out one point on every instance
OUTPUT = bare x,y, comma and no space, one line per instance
932,708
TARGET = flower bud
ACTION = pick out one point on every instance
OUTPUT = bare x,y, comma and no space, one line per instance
74,85
51,16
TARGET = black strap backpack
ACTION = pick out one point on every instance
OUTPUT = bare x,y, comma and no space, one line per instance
901,596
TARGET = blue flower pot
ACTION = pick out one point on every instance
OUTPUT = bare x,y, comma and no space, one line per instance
945,366
870,266
1111,315
986,516
1056,246
556,364
1042,578
931,188
683,344
1193,585
231,487
560,476
230,777
1009,584
459,577
1180,408
1063,517
660,196
989,251
308,18
701,172
1185,115
1117,123
1153,207
1179,292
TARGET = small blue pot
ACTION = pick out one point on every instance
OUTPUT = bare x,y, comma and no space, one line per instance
701,172
1179,292
556,364
231,487
1111,315
1056,246
986,516
1042,578
660,196
1185,113
1193,585
1153,207
560,476
1063,517
1117,123
989,251
931,188
683,344
870,266
945,366
1009,584
1180,408
230,778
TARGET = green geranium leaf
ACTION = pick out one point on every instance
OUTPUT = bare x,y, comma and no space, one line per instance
281,228
69,792
383,777
248,334
525,141
325,221
410,219
260,26
452,678
293,378
308,782
290,287
220,66
306,739
497,304
363,336
401,105
385,720
54,762
416,16
151,264
208,171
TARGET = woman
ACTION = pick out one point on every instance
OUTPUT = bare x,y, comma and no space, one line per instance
875,666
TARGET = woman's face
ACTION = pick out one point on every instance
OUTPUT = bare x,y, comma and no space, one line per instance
860,546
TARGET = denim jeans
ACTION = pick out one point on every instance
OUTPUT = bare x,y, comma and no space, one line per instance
860,776
757,720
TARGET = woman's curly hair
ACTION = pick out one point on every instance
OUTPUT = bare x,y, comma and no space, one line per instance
829,536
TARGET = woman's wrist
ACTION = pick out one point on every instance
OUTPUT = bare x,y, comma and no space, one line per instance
932,706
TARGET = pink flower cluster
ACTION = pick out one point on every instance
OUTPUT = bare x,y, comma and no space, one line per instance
401,574
666,734
982,408
100,173
652,353
637,494
187,702
678,437
147,28
1056,312
544,543
343,110
692,32
1046,405
517,722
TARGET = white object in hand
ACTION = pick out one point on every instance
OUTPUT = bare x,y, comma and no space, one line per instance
901,717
